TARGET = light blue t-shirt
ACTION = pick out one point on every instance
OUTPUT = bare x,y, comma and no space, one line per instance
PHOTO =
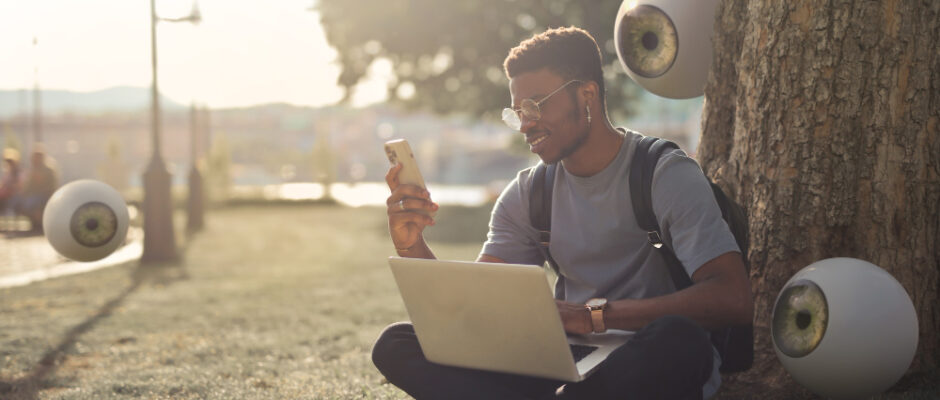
598,245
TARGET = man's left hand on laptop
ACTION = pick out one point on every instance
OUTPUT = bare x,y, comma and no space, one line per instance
575,317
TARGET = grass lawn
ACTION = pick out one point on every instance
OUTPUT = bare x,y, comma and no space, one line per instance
270,302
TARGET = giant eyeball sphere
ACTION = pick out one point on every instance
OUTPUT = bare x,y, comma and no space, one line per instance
844,328
85,220
665,45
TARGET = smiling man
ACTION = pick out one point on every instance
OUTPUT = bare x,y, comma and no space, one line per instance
609,276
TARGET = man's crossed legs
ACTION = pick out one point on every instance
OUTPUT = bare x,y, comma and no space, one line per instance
671,358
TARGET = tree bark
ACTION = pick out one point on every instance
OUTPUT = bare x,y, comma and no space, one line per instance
821,119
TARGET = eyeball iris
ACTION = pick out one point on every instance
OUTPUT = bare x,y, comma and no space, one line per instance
93,224
800,318
649,41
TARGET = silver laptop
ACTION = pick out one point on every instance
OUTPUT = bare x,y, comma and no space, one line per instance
496,317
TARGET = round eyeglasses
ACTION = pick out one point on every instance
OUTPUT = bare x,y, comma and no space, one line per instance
529,109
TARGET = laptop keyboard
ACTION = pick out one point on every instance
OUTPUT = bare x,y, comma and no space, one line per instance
579,351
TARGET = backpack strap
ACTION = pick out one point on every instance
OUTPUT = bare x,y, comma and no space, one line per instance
735,344
540,202
540,214
645,158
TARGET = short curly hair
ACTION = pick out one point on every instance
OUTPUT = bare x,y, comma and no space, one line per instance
570,52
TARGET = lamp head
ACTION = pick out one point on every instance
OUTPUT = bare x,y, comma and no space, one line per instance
195,16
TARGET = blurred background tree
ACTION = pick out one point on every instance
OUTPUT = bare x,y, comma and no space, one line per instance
323,165
113,170
218,172
447,57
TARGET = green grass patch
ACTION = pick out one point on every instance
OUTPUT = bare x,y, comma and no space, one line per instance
269,302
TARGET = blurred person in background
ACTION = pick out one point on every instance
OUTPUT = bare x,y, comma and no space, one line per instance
42,180
9,180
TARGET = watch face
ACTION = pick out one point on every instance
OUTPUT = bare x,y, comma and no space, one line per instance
594,303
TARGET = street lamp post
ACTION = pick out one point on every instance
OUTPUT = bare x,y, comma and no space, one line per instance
37,102
198,123
159,237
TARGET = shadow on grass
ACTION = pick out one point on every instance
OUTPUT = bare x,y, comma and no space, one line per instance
28,387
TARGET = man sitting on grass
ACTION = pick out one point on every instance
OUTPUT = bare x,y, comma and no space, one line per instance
557,89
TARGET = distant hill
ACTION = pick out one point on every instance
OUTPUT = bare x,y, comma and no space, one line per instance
121,99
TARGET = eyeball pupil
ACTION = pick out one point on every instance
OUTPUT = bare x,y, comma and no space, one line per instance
650,40
647,41
93,224
803,319
800,318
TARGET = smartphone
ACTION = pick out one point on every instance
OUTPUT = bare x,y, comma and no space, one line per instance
398,151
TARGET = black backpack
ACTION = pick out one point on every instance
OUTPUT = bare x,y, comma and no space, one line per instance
735,344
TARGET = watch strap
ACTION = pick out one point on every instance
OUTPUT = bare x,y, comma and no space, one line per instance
597,320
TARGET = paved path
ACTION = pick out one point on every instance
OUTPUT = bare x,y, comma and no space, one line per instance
24,260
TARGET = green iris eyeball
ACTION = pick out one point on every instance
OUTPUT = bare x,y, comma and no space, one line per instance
844,328
85,220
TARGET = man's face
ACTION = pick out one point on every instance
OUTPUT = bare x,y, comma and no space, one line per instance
561,129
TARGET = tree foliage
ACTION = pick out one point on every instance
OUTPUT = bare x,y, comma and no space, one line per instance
447,56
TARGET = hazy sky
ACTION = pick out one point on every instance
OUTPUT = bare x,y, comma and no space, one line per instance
243,52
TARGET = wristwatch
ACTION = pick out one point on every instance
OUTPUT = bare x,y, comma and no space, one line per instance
597,306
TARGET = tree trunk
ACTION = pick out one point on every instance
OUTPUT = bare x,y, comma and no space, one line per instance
821,119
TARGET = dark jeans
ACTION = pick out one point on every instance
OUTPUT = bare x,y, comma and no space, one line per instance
670,358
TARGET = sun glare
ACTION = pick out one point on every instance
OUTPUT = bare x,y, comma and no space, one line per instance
241,53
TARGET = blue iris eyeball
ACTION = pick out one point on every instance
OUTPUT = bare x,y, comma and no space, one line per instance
85,220
665,45
844,328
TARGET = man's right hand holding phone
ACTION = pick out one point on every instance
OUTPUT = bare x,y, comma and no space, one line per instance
409,207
